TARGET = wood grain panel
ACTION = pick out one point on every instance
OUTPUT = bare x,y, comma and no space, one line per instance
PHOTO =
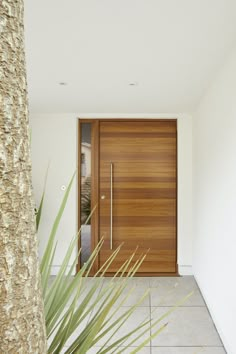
142,207
140,185
141,126
139,135
140,232
156,145
144,192
161,260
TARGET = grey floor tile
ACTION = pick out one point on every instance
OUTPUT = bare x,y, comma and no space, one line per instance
139,315
187,326
167,291
190,329
139,286
165,350
188,350
74,335
86,286
89,284
145,350
51,279
93,350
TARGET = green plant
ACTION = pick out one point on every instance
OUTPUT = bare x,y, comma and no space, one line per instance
69,301
86,200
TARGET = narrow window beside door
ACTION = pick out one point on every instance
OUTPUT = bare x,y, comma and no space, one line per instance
85,198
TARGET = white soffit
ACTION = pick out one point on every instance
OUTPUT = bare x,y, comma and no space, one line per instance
130,56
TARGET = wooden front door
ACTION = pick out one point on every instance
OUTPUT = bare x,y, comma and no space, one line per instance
137,186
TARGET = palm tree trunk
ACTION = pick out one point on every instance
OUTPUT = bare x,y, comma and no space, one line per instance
22,325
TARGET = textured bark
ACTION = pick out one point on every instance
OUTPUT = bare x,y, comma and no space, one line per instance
22,326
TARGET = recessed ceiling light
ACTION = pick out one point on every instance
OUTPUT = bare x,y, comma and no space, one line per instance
62,83
133,83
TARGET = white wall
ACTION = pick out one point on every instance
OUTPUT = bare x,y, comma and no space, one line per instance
215,200
54,143
54,140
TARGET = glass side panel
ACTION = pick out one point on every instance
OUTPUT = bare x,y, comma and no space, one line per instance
85,206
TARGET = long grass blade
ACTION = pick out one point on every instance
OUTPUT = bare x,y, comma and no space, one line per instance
69,302
47,254
39,211
46,274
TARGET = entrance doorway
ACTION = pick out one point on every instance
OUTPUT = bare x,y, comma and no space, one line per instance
133,179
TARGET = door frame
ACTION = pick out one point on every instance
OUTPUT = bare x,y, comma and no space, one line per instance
95,158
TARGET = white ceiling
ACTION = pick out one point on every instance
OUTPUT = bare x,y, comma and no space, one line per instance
171,48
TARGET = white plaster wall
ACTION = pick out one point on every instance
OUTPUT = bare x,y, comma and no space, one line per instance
54,143
215,200
54,140
185,195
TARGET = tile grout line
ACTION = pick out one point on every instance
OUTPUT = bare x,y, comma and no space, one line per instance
150,298
187,346
193,306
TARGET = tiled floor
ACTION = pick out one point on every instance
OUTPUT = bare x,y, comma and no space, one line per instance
189,329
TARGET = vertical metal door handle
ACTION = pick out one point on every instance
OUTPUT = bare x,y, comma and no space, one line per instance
111,206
